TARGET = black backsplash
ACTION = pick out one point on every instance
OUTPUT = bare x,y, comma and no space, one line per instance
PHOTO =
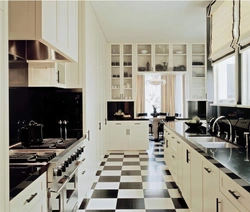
126,107
46,106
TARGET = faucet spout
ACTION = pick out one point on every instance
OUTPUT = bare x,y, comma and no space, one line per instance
230,126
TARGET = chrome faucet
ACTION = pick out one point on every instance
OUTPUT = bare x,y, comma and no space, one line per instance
247,136
218,126
230,125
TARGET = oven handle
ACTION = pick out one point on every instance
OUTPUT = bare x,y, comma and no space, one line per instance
68,177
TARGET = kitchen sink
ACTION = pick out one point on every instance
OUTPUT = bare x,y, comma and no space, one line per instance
211,142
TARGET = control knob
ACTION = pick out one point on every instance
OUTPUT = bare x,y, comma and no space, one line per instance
66,163
59,171
70,160
63,167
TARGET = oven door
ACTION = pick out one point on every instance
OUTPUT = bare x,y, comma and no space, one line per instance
63,196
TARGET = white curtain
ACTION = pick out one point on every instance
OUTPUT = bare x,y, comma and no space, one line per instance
140,94
168,95
244,22
223,35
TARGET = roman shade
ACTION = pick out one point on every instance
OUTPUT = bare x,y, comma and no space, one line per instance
244,23
223,39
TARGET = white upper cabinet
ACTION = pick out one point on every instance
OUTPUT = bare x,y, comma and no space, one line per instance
54,23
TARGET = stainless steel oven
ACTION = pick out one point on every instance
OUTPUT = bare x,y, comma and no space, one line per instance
63,179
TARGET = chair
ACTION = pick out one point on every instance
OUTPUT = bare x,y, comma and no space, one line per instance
160,130
142,114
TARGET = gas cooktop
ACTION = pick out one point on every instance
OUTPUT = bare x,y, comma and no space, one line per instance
30,157
48,143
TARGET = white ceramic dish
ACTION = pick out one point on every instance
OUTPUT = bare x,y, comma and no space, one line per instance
144,51
179,52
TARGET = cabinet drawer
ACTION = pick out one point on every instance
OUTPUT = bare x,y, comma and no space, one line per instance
138,123
28,198
118,123
235,193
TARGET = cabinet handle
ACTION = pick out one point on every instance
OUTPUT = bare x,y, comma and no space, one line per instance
207,169
100,126
31,198
172,137
88,135
58,76
83,172
166,143
105,121
137,123
217,205
178,142
187,156
233,193
118,123
172,156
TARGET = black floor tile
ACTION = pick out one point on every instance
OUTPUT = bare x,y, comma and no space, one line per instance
143,153
84,204
109,179
131,163
116,153
93,186
166,172
130,185
147,159
130,204
112,168
152,178
106,156
161,162
159,156
105,194
102,164
131,156
144,167
115,159
98,173
179,203
100,211
171,185
156,193
161,210
131,173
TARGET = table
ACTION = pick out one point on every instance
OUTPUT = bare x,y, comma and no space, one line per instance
155,124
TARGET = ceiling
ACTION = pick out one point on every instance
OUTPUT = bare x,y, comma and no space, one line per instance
152,21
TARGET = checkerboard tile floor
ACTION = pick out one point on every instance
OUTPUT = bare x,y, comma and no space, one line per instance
134,182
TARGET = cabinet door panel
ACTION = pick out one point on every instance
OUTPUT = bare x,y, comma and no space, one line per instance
118,138
138,137
49,21
22,22
210,186
62,25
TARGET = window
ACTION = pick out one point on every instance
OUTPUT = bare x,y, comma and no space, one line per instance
152,93
245,77
225,79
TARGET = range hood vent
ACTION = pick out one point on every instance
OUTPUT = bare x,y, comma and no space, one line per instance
32,50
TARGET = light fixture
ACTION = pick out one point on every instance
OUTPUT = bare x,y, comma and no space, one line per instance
156,81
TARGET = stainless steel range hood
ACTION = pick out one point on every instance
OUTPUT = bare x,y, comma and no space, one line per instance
32,50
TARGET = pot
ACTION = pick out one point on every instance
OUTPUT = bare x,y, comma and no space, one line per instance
31,134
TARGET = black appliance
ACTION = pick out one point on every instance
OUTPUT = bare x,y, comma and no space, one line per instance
31,133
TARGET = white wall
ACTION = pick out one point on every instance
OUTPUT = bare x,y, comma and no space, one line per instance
4,109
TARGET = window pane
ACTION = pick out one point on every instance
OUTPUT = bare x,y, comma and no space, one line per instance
226,80
152,94
245,78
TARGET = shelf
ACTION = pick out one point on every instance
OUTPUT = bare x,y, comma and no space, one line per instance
184,54
199,77
127,54
144,54
115,78
127,78
115,54
198,54
162,72
198,66
115,66
127,66
162,54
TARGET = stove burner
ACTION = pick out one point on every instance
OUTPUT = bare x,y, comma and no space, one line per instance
30,157
49,143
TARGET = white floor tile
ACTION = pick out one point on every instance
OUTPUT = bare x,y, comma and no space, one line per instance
102,204
113,163
131,159
116,156
159,203
89,193
182,210
174,193
168,178
111,173
154,185
130,210
131,168
131,179
107,185
130,193
151,172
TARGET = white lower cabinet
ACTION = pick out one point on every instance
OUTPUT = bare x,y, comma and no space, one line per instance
204,187
128,135
32,198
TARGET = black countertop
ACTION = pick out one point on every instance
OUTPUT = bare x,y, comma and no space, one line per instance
229,160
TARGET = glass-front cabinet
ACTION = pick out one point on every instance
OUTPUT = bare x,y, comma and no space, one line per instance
245,77
121,72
